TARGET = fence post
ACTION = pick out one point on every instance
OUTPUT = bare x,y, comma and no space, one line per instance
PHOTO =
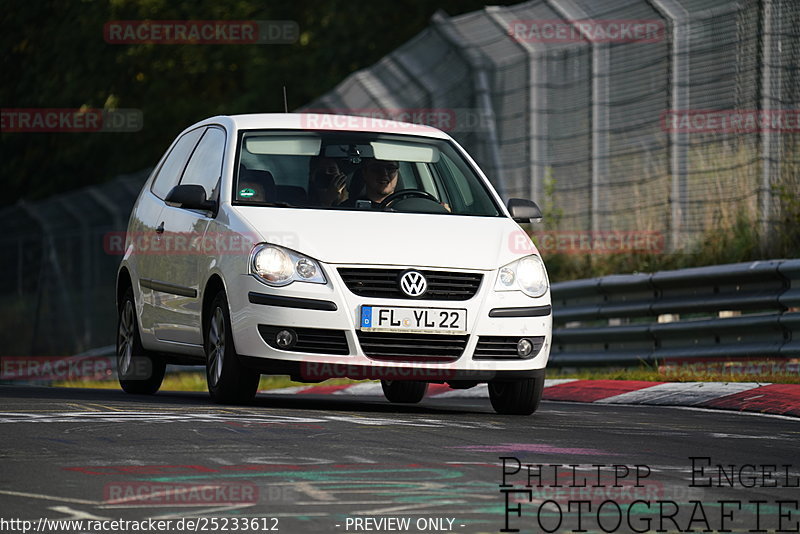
770,99
49,255
601,76
483,95
679,102
84,342
679,139
536,119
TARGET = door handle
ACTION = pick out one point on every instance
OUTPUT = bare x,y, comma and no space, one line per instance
160,228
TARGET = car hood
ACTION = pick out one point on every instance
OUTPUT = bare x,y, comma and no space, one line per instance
379,238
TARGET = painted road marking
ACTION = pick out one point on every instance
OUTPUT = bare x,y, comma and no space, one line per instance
772,398
360,460
47,497
478,392
206,511
374,389
155,417
81,407
594,390
327,475
681,393
366,388
769,399
531,447
75,514
286,391
111,408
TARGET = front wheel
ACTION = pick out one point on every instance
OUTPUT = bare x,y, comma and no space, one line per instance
404,391
228,380
516,397
139,371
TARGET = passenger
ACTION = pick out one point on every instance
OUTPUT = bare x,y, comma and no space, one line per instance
379,181
326,182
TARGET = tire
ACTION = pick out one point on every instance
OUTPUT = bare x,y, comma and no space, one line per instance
517,397
228,380
404,391
139,371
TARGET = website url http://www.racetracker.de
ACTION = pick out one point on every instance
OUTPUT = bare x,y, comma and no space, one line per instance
195,524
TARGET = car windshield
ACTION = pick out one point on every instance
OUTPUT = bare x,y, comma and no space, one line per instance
358,171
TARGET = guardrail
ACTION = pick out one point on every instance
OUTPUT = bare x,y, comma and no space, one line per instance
741,310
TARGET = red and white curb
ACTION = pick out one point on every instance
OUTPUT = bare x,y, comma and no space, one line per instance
783,399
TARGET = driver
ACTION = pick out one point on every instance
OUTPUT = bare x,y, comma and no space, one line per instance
380,181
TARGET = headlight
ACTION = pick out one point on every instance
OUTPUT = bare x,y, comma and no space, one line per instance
278,266
526,274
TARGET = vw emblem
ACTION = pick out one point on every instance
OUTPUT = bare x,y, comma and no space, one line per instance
413,284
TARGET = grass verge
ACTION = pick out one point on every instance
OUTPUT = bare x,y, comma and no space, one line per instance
196,381
654,375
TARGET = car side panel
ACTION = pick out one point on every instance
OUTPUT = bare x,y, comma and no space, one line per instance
140,237
175,284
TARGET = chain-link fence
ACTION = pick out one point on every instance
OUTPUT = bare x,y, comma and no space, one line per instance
668,116
675,116
58,269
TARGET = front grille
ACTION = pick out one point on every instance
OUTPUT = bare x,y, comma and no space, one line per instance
505,347
383,283
314,340
412,347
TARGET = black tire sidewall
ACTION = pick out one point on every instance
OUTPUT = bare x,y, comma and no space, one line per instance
236,383
140,358
404,391
516,397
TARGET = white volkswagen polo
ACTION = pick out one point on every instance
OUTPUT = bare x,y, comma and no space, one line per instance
322,246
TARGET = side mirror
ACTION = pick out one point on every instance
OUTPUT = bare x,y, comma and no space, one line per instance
523,210
190,197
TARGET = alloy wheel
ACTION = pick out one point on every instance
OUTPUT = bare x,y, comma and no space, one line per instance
125,338
216,345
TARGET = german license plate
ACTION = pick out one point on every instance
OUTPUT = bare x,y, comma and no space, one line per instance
428,320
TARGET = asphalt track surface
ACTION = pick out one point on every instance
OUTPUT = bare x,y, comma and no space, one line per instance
320,463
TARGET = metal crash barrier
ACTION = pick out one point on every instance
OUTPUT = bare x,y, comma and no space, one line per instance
741,310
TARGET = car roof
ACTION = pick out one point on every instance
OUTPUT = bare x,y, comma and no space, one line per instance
317,121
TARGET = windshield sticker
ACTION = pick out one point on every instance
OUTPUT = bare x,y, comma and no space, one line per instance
247,192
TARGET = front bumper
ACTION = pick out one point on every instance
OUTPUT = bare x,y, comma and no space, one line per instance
256,308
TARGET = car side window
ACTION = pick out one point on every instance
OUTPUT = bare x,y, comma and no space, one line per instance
461,183
173,166
205,165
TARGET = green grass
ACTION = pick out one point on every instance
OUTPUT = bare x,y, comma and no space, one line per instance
732,233
739,242
195,381
649,374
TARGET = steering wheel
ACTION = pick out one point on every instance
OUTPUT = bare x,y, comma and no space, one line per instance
397,196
